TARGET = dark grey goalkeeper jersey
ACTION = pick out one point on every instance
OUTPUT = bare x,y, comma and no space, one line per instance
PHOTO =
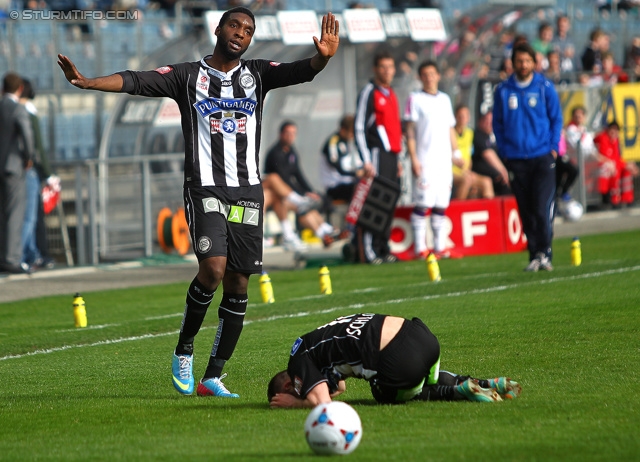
349,346
221,113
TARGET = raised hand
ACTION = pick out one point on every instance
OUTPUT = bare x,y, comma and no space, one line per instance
111,82
71,73
329,38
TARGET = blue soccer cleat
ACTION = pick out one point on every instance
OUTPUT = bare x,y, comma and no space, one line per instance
182,370
506,388
471,390
215,387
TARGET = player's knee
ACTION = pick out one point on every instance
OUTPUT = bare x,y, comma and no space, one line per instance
420,211
211,272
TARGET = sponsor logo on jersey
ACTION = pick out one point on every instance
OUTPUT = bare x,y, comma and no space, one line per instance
247,81
164,69
203,83
533,101
229,125
209,106
226,83
204,244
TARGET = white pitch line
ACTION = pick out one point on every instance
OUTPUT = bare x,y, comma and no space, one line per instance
355,306
90,327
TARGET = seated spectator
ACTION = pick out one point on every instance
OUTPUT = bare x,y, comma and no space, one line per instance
282,160
577,135
542,44
611,72
592,55
563,44
485,160
554,70
279,197
467,184
341,165
615,177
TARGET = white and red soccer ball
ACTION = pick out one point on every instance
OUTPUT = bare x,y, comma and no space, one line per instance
333,428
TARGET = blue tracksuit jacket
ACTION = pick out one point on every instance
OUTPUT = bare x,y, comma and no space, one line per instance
526,121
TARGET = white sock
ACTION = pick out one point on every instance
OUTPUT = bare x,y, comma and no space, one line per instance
439,237
419,225
287,230
295,199
323,229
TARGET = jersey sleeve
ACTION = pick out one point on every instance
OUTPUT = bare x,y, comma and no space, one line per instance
277,75
163,81
304,374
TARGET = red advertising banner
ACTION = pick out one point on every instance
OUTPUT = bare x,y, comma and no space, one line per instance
474,227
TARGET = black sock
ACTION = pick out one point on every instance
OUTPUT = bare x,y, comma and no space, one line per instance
231,312
198,301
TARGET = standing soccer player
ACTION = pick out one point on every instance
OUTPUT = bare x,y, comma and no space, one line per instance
527,122
221,103
433,146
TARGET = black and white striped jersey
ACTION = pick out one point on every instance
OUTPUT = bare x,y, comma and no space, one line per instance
221,113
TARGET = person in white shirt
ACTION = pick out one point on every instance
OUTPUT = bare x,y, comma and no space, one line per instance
432,146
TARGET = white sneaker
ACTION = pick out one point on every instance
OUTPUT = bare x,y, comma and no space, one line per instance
545,263
294,244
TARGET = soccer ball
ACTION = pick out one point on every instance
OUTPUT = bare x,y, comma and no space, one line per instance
333,428
572,210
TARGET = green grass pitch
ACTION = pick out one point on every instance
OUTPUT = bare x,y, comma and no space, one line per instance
570,337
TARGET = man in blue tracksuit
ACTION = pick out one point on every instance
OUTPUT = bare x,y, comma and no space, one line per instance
527,121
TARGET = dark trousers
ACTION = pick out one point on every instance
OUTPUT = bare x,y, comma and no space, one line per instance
376,245
534,186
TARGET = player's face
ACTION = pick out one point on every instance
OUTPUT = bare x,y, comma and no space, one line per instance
430,78
234,37
384,71
523,65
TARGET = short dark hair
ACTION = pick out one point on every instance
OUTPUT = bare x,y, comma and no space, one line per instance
276,384
347,121
428,63
613,124
286,124
379,56
523,48
28,91
11,82
238,9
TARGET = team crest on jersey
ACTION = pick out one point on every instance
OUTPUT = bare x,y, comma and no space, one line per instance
204,244
247,81
164,69
533,101
274,64
229,125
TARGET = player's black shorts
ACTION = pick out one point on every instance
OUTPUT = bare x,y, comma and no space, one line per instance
404,364
227,222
